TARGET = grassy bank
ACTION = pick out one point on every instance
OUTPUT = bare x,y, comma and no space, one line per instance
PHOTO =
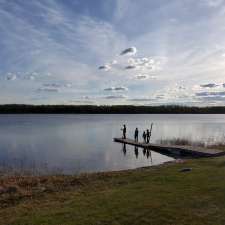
157,195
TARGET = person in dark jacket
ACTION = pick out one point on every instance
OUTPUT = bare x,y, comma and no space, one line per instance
136,134
144,136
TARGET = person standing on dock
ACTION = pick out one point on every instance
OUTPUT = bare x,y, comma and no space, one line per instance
136,134
124,129
144,136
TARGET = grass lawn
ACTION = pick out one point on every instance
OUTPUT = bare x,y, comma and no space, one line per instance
157,195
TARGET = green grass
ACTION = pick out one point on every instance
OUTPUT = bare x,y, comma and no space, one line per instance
157,195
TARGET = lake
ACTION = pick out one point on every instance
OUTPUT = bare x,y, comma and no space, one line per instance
71,144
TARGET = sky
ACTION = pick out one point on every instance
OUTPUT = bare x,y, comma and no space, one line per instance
106,52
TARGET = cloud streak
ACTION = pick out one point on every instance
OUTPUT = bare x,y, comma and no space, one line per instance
50,90
210,85
121,88
105,67
11,77
115,97
206,94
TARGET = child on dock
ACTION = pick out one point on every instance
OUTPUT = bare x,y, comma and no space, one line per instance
124,129
144,136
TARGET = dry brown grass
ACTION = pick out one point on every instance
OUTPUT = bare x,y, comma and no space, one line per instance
184,141
14,189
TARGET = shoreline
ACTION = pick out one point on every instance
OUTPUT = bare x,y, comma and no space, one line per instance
158,192
23,187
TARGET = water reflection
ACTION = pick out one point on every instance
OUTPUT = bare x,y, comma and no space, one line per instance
136,151
83,143
145,152
149,154
124,149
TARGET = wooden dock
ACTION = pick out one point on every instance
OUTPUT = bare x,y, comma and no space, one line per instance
175,151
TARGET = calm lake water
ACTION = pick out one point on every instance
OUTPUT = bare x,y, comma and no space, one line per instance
69,144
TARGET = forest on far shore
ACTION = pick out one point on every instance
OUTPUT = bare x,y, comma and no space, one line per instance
105,109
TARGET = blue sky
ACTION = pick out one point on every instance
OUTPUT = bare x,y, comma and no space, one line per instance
112,52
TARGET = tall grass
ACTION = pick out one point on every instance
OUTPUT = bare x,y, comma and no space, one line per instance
189,142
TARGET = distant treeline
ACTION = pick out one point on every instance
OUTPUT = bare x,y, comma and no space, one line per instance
115,109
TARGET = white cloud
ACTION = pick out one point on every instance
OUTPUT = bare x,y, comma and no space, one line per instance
130,67
109,89
212,97
51,90
144,64
108,66
210,85
211,93
120,88
144,77
129,51
30,77
114,62
58,85
54,85
11,77
145,99
115,97
105,67
212,3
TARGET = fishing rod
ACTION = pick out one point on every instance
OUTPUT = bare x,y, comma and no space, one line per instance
150,131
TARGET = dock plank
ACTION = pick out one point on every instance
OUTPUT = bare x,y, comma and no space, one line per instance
174,149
